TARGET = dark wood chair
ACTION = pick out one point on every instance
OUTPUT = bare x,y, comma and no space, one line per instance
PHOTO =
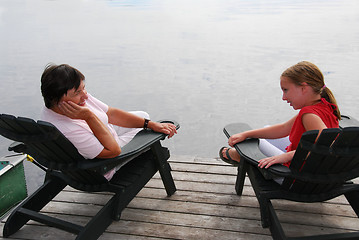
320,170
141,159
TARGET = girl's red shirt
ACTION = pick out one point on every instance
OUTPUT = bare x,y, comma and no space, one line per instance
324,110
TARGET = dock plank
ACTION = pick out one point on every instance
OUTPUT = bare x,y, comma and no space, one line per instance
205,206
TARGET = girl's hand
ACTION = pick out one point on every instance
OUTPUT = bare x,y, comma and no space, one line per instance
74,111
166,128
282,158
236,138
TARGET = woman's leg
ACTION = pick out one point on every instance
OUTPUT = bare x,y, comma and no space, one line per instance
127,134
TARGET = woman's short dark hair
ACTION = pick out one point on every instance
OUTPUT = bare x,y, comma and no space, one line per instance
56,80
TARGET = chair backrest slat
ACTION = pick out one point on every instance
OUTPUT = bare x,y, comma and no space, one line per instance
300,157
316,162
353,163
49,147
348,142
13,124
61,146
45,148
349,138
335,153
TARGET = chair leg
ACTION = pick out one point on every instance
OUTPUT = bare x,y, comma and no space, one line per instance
264,209
161,156
99,223
256,179
274,224
51,187
142,170
241,175
353,199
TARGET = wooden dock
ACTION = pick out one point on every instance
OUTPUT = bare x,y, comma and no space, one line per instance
205,206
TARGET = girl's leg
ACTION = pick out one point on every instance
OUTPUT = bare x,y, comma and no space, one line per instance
269,147
272,147
281,143
232,152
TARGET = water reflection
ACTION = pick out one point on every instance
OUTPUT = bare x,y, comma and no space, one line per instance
203,63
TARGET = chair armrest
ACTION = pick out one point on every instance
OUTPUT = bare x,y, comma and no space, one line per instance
143,140
17,147
139,144
249,148
250,152
348,121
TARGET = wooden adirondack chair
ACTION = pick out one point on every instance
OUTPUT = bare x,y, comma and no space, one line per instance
318,172
141,159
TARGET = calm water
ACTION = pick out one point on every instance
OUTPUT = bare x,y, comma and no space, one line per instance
204,63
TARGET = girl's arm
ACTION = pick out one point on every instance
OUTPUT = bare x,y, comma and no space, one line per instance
101,132
313,122
271,132
310,122
282,158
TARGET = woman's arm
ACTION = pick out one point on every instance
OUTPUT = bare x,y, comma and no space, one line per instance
101,132
125,119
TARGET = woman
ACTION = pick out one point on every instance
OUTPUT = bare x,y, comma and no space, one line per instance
94,128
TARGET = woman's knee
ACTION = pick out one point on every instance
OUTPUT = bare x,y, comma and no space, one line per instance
142,114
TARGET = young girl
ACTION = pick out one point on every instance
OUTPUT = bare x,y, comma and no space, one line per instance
303,88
